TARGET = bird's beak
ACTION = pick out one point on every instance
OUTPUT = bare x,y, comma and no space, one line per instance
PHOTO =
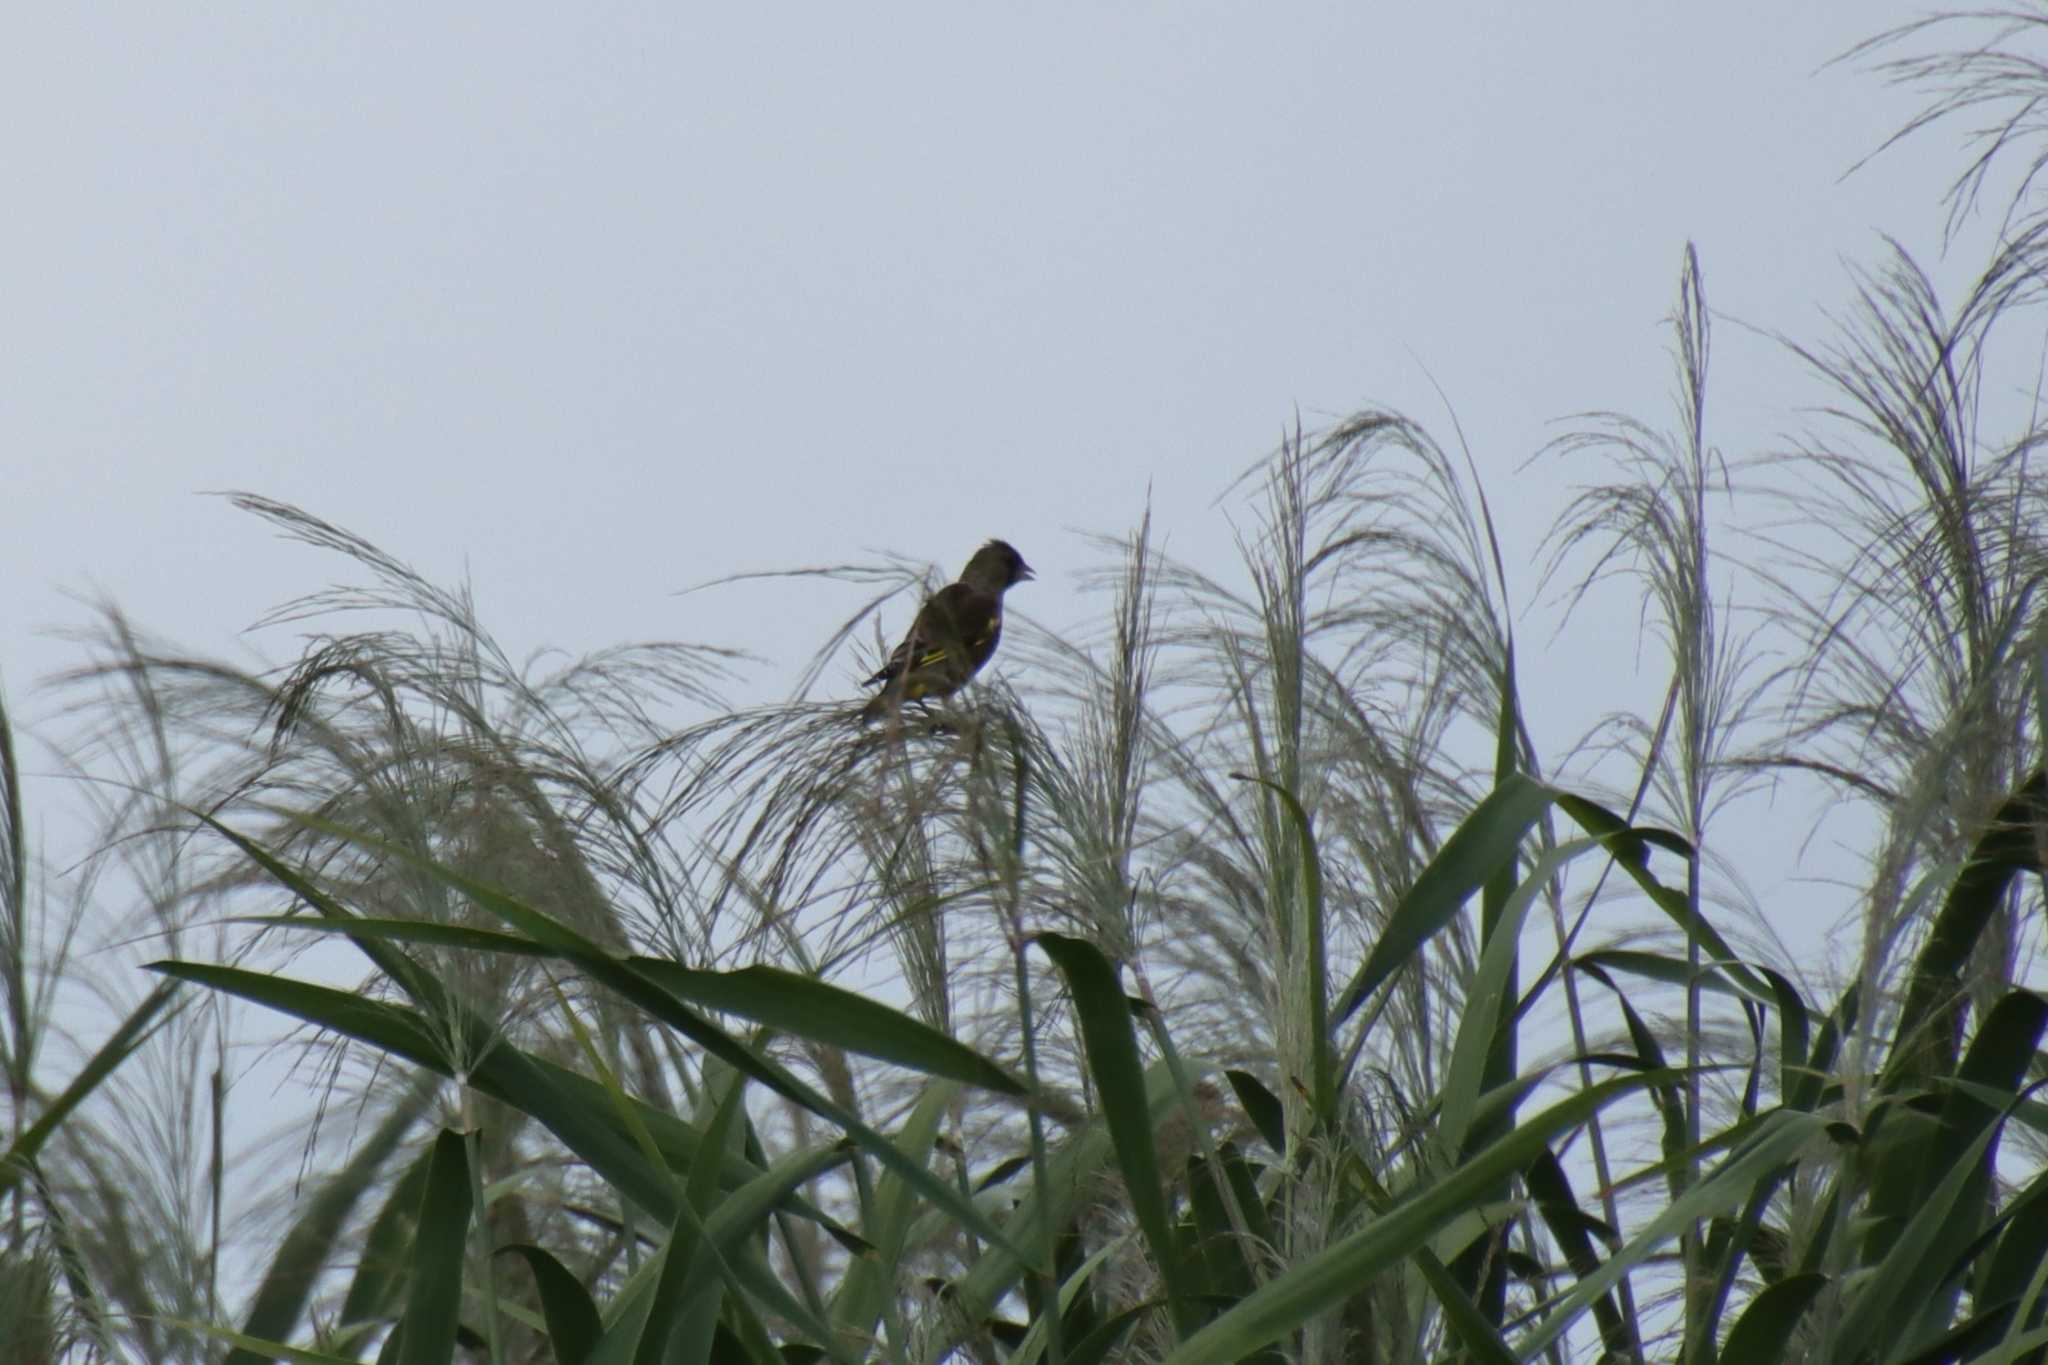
1024,574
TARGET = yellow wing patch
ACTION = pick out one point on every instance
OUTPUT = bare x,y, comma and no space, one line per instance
937,654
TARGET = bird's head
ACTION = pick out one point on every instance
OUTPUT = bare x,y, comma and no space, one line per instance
995,567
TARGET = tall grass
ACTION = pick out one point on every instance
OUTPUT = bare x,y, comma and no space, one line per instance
1233,979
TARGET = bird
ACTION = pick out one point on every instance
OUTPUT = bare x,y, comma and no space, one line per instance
954,634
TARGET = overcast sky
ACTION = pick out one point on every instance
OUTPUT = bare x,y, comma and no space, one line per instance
597,302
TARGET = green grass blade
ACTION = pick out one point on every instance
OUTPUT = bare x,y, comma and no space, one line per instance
1487,839
1776,1138
1111,1046
1262,1107
577,1110
572,1318
857,1305
1074,1173
644,992
1765,1328
1572,1228
2005,848
375,1288
417,983
740,1217
691,1305
1489,998
2022,1252
309,1246
1891,1299
1322,1059
466,938
1472,1329
805,1007
1630,846
395,1029
434,1299
1334,1274
133,1032
258,1349
794,1004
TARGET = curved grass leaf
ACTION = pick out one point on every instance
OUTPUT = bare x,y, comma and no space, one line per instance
692,1304
722,1237
1664,968
1571,1228
1484,841
805,1007
464,937
578,1111
1323,1083
2021,1256
1072,1173
1773,1140
259,1349
681,1146
308,1247
1111,1047
1631,846
1728,1245
418,984
573,1322
1483,1273
133,1032
1488,998
1793,1015
1097,1345
740,1216
1809,1084
1891,1300
630,983
1103,1336
2005,848
792,1003
1474,1330
1332,1275
644,1339
649,995
380,1265
396,1029
870,1281
1765,1328
1262,1107
434,1299
1988,1086
1669,1099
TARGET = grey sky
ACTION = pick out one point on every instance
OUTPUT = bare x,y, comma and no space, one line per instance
598,302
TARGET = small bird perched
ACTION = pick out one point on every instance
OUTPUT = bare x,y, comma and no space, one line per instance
955,633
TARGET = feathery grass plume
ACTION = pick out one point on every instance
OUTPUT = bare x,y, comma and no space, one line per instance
1129,825
1361,675
1094,781
1654,524
1990,73
122,1195
386,746
1368,640
34,1322
1914,576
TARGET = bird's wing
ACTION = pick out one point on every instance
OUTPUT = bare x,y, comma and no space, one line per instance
957,617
